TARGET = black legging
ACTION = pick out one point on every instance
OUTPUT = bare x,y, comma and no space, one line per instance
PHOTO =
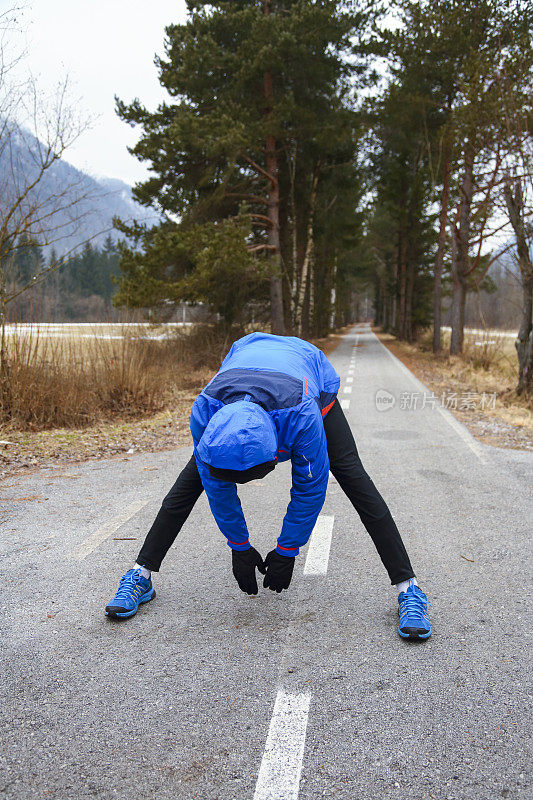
345,466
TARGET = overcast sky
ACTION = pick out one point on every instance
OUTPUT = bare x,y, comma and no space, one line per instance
107,47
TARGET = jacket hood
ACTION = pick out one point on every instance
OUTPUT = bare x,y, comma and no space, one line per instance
239,436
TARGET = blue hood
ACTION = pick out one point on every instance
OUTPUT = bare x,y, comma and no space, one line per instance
239,436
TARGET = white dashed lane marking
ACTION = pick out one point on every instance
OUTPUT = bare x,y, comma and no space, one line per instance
105,531
347,389
316,562
281,766
345,404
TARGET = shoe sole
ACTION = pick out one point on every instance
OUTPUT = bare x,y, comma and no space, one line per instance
416,636
128,614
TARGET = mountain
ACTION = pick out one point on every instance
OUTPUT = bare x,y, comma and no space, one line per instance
73,207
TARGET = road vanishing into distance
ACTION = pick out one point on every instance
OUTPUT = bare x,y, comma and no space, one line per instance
210,694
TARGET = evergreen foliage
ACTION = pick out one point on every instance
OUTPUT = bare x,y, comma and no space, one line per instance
260,121
79,288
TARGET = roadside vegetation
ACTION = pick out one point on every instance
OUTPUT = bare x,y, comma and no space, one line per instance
75,396
99,392
75,380
478,386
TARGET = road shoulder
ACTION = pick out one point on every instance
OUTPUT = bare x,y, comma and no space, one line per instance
492,416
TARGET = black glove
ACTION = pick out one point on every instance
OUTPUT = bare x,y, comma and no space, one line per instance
278,571
243,564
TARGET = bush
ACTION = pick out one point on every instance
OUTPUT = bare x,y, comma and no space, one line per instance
73,380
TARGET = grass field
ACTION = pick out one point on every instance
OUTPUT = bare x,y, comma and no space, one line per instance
490,350
73,392
98,330
479,385
76,375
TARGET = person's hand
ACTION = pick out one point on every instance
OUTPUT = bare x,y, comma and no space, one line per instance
278,571
243,564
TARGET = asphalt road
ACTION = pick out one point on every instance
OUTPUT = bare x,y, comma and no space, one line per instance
208,693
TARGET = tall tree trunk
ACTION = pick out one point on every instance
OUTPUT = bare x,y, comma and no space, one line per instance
294,230
356,316
308,254
439,260
332,299
458,309
524,342
402,283
3,311
277,320
311,321
6,399
461,254
377,299
409,334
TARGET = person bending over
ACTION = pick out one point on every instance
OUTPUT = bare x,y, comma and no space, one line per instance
273,399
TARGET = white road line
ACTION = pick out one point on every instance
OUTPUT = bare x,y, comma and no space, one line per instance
279,774
345,404
347,389
349,379
105,531
463,432
316,561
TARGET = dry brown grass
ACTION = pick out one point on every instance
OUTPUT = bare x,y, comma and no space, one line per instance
71,397
490,368
485,352
74,382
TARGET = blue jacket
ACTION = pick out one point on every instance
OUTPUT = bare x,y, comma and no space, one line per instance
266,403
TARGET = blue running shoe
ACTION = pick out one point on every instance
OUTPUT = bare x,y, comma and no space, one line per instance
413,611
133,590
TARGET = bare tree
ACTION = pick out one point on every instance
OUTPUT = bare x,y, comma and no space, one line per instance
35,132
518,203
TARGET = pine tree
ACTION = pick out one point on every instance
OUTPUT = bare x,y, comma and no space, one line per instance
28,259
250,82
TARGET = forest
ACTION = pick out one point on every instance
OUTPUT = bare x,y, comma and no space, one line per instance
319,161
78,288
310,153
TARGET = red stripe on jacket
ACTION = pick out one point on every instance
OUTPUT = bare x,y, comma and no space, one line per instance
327,408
